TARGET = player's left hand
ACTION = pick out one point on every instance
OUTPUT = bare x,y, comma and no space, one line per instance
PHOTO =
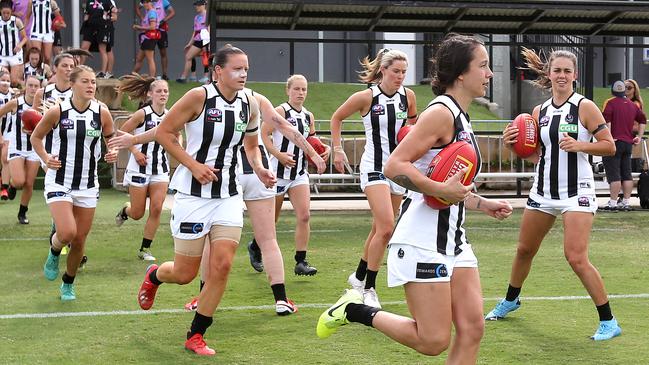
569,144
499,209
121,140
111,155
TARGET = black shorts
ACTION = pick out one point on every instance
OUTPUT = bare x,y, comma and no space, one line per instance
199,44
163,42
147,44
57,39
618,167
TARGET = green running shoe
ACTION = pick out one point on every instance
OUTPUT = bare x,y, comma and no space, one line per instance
335,316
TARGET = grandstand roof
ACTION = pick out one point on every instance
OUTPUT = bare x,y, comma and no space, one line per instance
574,17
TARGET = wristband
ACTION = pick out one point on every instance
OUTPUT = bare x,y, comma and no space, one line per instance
339,149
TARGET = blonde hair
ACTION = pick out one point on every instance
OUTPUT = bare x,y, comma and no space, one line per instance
137,86
534,63
637,97
74,75
292,78
384,58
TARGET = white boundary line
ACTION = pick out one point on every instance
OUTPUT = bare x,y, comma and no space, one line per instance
267,307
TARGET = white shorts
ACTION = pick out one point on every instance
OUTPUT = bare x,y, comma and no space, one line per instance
86,198
27,155
376,178
43,37
192,217
579,203
284,185
139,180
253,188
11,61
407,263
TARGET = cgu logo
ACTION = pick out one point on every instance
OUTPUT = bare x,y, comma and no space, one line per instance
568,128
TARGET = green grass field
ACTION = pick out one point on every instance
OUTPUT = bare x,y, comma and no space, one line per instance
550,328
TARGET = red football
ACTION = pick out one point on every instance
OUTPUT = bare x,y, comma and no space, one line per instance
448,162
58,23
317,146
403,131
30,119
528,135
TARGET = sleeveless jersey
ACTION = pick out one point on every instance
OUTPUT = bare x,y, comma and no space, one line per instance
422,226
213,139
6,120
18,138
36,71
9,37
302,121
41,16
387,114
52,93
244,165
561,174
155,153
77,142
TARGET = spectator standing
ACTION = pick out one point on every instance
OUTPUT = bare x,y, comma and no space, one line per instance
632,92
148,38
199,41
620,114
98,29
165,12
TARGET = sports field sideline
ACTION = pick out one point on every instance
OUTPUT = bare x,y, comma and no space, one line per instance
553,324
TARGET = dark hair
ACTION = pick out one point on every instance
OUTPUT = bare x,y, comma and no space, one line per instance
6,4
222,55
59,57
451,60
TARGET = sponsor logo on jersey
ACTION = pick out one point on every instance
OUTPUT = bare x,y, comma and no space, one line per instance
402,107
401,253
464,136
67,123
583,201
402,115
568,128
95,124
545,120
532,203
214,115
240,127
569,118
191,227
291,120
56,194
426,270
138,179
375,176
378,109
242,116
151,124
93,133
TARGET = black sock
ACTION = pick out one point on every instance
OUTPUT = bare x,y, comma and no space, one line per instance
254,245
67,278
279,291
300,256
361,270
54,252
5,186
123,214
199,324
370,279
146,243
361,313
512,293
201,285
193,68
604,312
22,210
153,278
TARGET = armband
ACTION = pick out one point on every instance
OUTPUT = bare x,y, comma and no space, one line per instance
599,128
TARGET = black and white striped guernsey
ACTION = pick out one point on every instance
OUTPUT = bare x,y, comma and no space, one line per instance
422,226
34,71
52,94
41,16
6,120
387,114
561,174
302,121
213,139
156,156
77,142
9,37
19,139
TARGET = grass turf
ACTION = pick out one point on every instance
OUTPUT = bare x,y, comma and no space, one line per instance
541,332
